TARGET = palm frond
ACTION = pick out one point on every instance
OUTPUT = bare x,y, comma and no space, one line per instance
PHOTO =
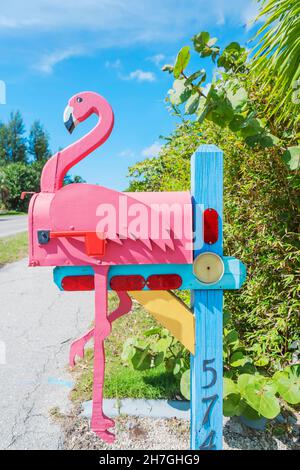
277,57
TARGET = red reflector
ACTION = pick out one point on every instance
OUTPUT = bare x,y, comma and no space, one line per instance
78,283
127,283
211,226
164,281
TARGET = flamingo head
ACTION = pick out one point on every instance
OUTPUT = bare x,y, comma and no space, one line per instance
79,108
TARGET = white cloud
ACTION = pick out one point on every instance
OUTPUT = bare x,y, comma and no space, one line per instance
119,21
48,61
206,88
157,59
249,14
220,18
99,24
126,153
116,64
140,76
152,151
2,92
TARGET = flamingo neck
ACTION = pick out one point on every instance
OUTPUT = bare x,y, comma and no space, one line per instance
59,164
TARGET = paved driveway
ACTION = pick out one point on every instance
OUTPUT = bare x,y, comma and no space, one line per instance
37,324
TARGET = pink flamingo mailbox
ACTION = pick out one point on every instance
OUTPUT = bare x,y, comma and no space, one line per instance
147,244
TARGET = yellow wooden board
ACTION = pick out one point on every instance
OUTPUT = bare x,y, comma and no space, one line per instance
171,312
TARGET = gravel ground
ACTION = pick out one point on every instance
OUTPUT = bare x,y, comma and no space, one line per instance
170,434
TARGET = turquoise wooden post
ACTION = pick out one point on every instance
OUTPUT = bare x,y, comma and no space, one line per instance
207,364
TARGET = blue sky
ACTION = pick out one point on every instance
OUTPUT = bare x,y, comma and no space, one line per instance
51,49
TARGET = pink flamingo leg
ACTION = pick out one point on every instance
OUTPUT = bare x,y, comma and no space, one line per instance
125,304
77,347
99,422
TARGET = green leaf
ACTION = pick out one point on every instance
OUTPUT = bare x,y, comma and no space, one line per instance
152,331
165,333
195,75
226,318
291,157
249,412
167,68
264,139
260,395
251,127
248,368
233,47
211,42
162,345
238,359
232,405
231,337
201,110
170,364
141,360
236,123
232,57
262,361
140,343
237,98
192,104
229,387
288,385
182,61
200,41
294,369
268,140
243,381
205,46
185,384
128,350
159,359
179,365
219,107
229,374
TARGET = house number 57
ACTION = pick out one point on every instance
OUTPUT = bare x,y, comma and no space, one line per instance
209,401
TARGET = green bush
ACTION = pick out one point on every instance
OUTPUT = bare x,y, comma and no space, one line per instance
15,178
261,219
249,390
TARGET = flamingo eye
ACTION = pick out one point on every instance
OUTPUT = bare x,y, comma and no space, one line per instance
79,99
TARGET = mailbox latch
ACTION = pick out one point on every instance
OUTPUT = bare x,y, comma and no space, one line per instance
94,242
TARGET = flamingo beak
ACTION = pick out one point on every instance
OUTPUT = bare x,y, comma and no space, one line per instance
69,120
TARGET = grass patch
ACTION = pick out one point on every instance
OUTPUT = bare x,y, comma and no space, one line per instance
13,248
121,381
5,213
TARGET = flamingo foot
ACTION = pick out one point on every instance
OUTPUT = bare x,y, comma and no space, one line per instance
102,423
109,423
106,436
100,428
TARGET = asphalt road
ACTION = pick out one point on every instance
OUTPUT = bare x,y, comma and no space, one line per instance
12,224
37,324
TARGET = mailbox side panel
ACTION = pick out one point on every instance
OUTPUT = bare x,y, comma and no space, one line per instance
143,228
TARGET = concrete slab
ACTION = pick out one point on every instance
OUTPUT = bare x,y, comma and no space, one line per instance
143,408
